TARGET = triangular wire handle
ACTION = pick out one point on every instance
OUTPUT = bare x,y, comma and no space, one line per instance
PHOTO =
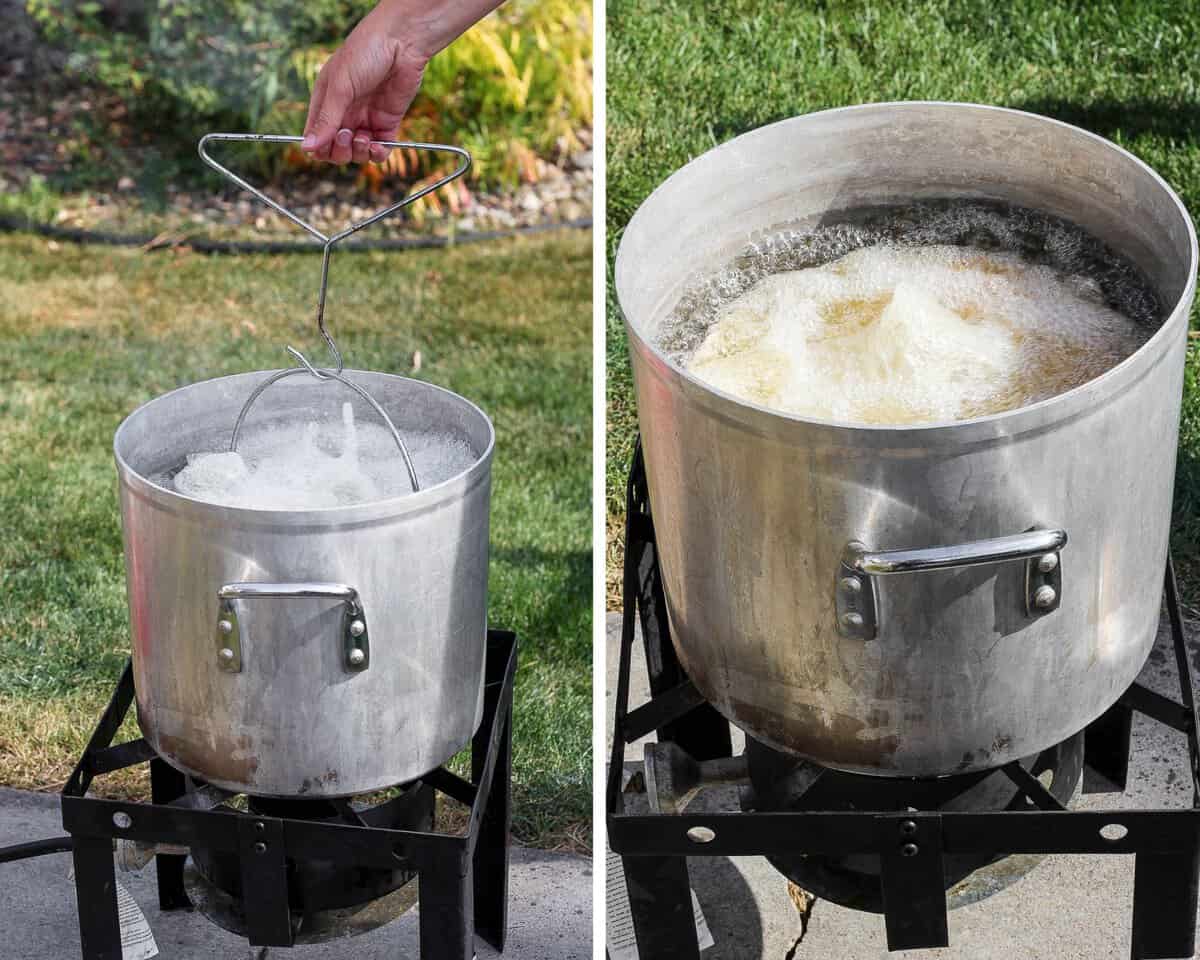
329,241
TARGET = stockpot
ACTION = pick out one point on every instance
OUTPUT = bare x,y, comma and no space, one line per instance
321,652
919,600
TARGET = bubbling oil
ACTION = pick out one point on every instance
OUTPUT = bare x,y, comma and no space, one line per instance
924,313
298,465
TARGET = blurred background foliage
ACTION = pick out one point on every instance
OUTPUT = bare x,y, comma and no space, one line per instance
515,88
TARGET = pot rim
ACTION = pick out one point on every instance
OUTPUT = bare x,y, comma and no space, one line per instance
449,489
1006,423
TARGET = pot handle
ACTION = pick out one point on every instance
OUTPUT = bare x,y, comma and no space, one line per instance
1040,549
355,643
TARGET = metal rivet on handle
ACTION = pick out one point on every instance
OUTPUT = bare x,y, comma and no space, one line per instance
356,657
852,620
1048,562
851,584
122,820
909,850
357,628
225,626
260,847
226,654
1045,596
908,828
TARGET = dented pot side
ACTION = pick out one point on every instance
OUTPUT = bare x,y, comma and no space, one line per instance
296,719
754,509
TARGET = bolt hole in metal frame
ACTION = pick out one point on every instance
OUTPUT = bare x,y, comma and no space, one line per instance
463,878
325,375
910,844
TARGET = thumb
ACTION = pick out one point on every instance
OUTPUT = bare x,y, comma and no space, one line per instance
331,98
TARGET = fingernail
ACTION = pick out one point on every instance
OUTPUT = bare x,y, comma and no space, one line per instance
344,137
309,142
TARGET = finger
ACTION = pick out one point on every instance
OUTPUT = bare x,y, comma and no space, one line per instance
314,109
340,151
331,98
323,153
360,148
379,153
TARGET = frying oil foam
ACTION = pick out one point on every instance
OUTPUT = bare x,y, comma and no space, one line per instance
299,466
908,315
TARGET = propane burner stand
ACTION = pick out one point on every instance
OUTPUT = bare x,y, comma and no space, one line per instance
463,879
910,844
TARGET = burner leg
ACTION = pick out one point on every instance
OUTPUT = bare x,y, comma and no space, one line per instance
96,894
1106,747
1184,666
264,882
1165,885
446,912
913,880
1164,904
490,867
660,902
702,731
167,784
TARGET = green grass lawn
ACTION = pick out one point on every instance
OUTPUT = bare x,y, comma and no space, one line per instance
91,332
685,76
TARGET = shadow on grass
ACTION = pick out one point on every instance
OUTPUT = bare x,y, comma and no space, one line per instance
568,581
1177,119
729,127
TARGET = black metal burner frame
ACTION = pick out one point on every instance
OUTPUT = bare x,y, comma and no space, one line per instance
655,847
463,878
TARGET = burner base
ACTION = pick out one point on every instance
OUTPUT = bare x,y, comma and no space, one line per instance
316,885
463,877
318,926
784,783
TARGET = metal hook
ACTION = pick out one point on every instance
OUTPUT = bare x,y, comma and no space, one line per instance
334,352
308,366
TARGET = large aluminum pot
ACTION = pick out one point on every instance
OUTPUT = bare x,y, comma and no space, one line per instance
805,602
355,635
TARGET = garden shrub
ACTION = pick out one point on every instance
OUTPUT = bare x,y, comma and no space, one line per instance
516,86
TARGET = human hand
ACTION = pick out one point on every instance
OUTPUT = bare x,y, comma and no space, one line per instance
362,94
365,88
